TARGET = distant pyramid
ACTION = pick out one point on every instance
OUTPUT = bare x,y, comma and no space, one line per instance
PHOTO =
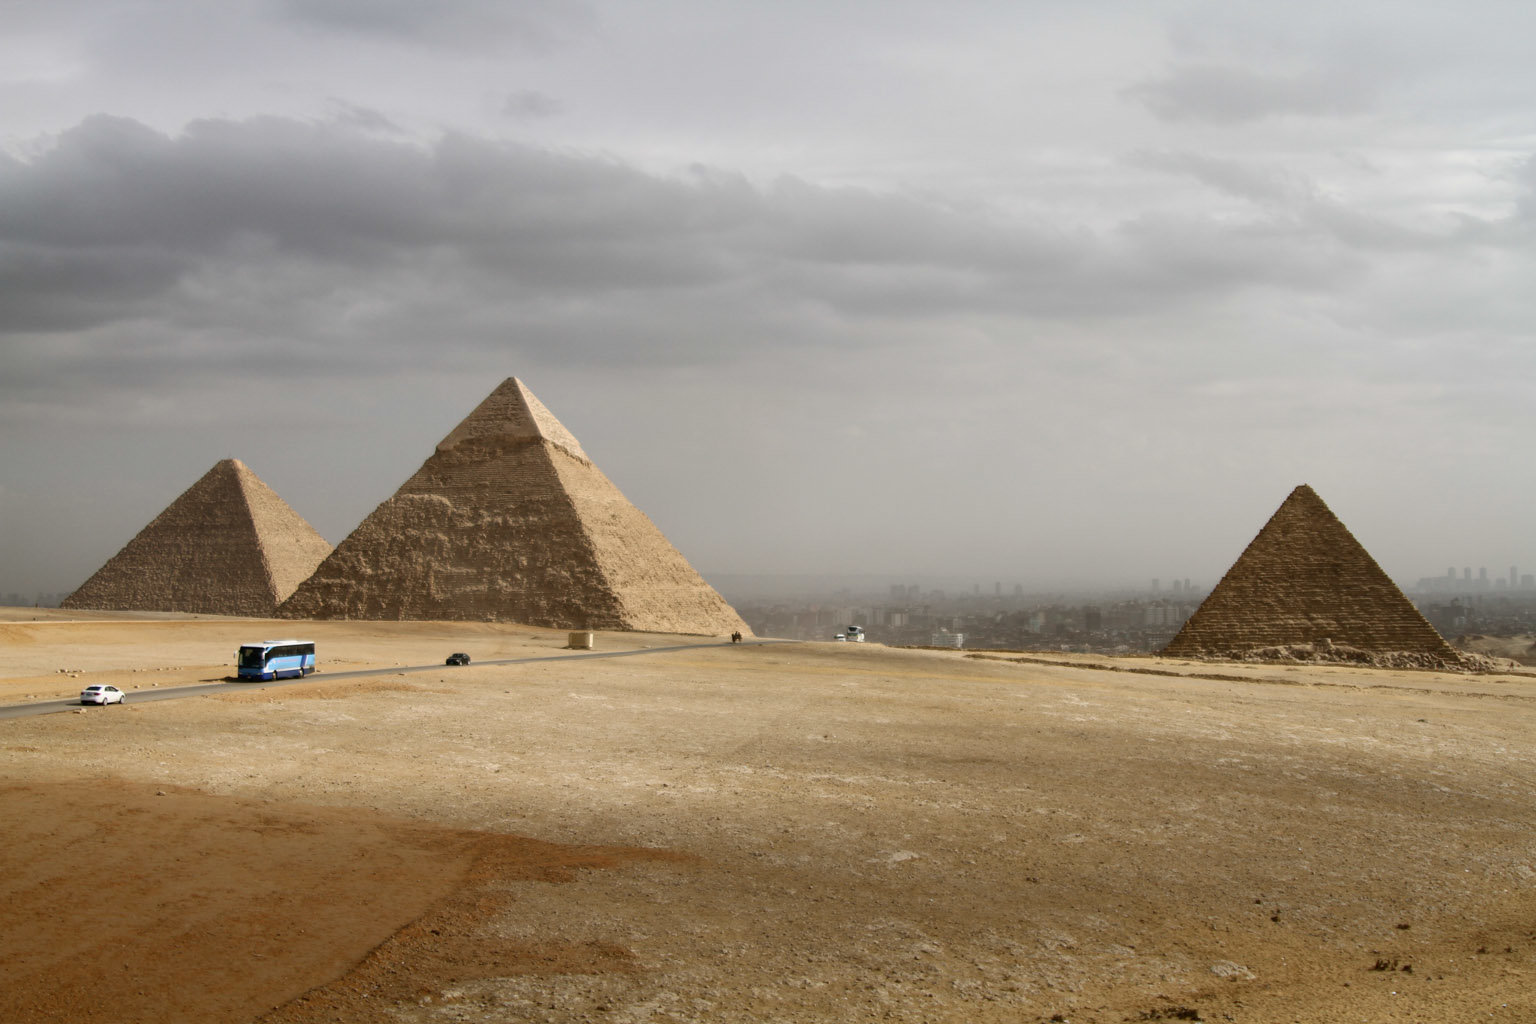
227,546
1305,580
510,521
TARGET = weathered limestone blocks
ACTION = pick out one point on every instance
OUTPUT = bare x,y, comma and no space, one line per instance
227,546
508,520
1305,580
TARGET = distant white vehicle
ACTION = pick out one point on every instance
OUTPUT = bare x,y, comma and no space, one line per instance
856,634
101,694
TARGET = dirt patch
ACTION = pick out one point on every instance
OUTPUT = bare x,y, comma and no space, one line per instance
449,946
326,691
123,903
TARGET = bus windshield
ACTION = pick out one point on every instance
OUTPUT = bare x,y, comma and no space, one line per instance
251,657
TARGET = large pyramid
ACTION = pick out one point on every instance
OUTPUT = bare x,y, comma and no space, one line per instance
1305,580
510,521
228,546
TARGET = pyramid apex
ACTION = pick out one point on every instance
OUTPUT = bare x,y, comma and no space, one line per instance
1304,500
513,411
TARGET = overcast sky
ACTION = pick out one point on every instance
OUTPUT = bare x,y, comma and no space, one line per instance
1040,292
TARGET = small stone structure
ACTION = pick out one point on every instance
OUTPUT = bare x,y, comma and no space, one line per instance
1306,587
228,546
509,521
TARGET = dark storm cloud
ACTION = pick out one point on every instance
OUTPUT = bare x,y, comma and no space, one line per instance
116,212
1228,95
47,289
111,181
328,246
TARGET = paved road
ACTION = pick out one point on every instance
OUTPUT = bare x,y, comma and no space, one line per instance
172,692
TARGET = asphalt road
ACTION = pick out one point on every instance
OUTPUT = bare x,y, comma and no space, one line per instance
173,692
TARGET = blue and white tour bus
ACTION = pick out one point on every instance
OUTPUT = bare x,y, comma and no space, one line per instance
274,659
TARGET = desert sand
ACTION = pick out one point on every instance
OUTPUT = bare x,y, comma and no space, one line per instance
790,832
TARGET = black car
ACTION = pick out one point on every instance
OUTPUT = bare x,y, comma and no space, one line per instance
458,658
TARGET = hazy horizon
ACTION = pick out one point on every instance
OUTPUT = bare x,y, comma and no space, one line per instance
1017,292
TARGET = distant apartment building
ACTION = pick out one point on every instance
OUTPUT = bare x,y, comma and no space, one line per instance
1465,583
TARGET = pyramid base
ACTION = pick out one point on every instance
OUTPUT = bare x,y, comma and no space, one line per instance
1343,654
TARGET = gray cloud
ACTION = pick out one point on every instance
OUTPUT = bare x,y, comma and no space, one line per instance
1525,178
363,119
532,25
1228,95
530,103
112,181
1262,184
49,289
1288,201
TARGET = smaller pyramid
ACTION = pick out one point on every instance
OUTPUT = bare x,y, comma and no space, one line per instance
509,521
228,546
1305,580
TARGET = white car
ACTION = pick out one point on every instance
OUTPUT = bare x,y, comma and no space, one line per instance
100,694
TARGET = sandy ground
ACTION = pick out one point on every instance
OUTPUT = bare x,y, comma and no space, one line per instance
1520,648
757,833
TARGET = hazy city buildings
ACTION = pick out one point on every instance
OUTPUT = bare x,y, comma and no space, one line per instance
1115,621
1450,583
